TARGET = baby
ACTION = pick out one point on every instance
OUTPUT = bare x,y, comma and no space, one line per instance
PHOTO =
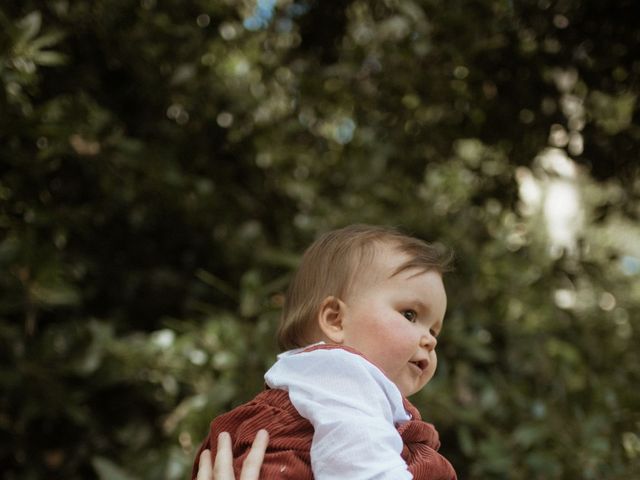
359,329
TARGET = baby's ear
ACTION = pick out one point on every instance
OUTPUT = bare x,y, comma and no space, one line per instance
330,318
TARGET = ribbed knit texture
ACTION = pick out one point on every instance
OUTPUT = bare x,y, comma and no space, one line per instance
290,437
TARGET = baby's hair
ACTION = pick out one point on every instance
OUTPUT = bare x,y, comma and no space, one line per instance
330,265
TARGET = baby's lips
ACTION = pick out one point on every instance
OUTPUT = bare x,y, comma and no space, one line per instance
421,364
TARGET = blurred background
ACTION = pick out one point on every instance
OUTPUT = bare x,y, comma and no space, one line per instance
163,164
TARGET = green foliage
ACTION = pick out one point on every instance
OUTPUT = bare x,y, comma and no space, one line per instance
163,164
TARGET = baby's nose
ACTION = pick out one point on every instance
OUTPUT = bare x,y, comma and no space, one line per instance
429,340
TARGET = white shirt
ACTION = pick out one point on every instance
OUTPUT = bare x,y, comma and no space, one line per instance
354,409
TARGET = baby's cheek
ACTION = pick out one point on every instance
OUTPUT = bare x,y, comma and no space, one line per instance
398,344
433,364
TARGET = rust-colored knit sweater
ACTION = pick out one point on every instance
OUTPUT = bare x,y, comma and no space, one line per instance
290,436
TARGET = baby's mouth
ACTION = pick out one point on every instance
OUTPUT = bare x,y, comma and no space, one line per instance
421,364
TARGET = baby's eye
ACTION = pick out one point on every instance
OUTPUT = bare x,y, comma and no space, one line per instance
410,315
433,332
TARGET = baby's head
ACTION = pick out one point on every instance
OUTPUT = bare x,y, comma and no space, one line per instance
336,264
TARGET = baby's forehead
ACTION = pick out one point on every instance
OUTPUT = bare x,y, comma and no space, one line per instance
379,262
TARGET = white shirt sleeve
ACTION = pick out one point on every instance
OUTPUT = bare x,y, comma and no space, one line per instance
354,409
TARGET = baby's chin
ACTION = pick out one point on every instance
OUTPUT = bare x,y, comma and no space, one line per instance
412,391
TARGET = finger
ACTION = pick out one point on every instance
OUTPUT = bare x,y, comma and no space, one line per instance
253,462
223,466
204,466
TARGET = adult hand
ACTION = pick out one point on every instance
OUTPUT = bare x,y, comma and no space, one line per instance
223,466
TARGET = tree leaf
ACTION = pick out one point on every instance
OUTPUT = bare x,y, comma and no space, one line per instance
30,26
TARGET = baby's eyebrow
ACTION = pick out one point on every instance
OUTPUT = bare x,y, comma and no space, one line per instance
422,305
